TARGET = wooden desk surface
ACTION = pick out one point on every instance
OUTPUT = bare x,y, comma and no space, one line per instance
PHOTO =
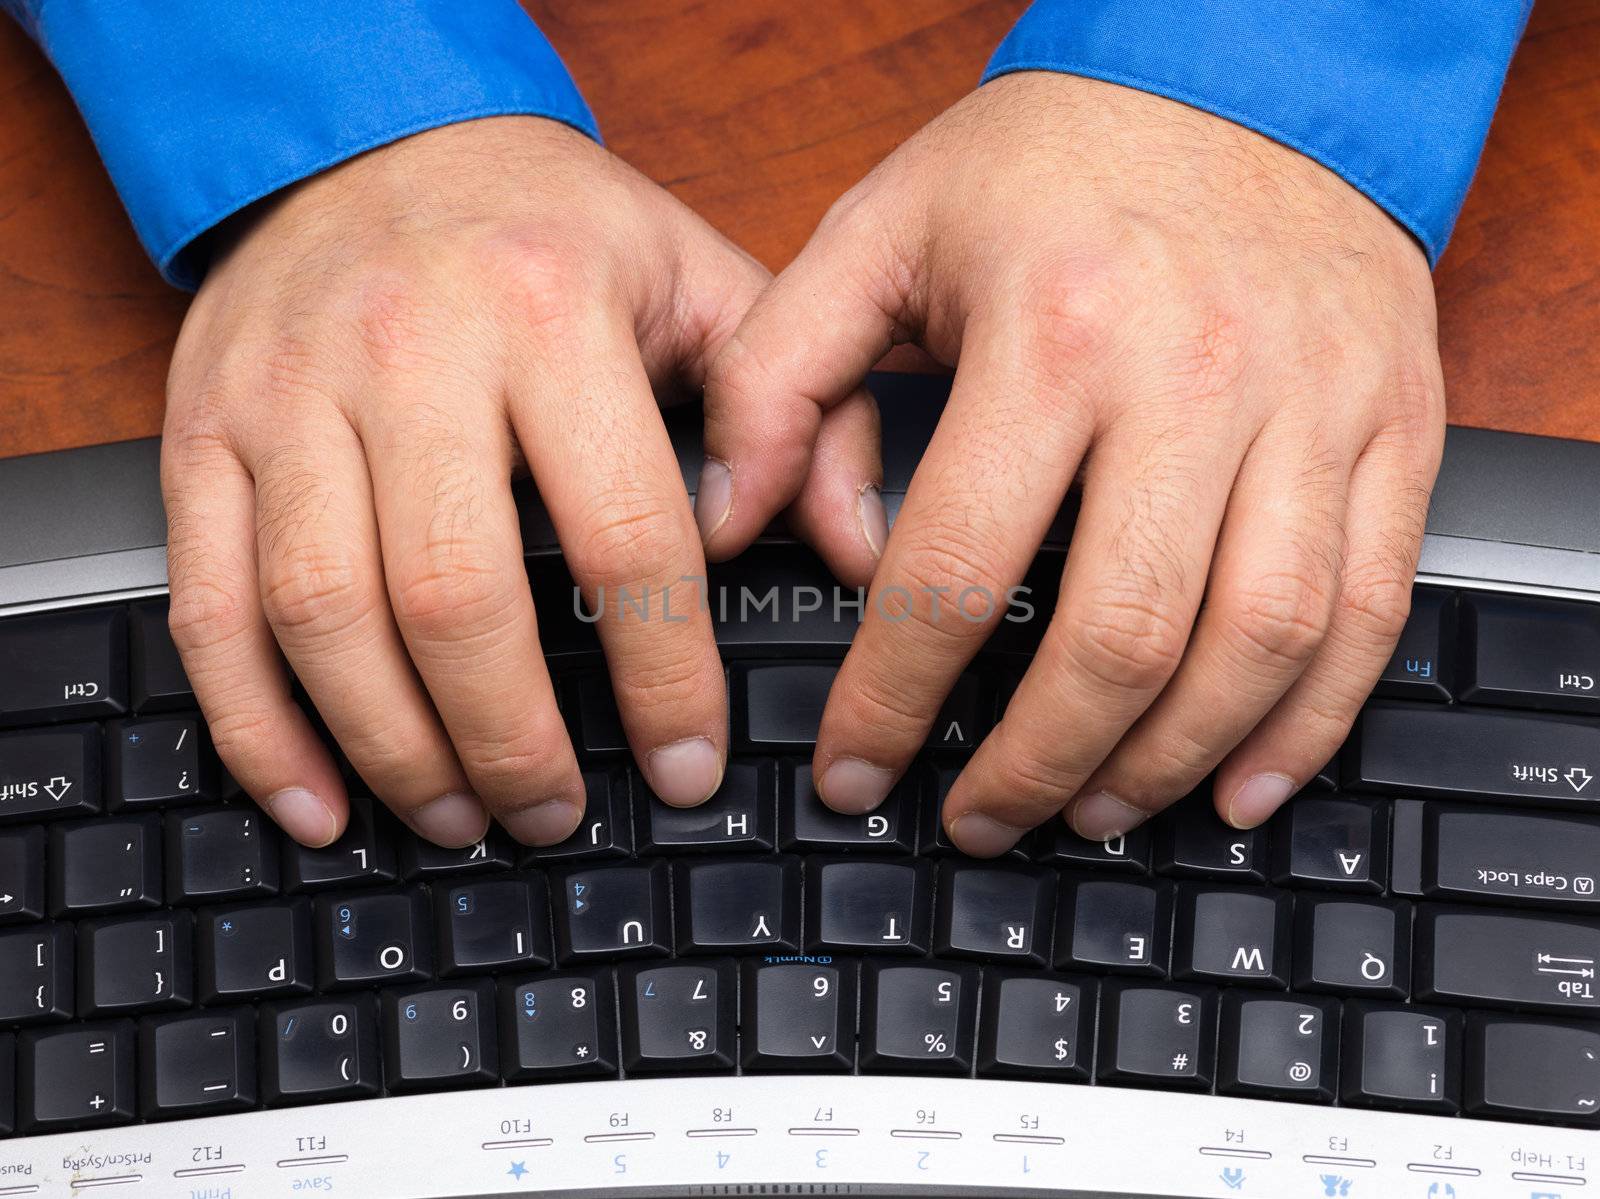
759,114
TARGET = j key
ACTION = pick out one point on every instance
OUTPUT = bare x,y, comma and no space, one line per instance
1278,1047
36,974
421,859
1401,1057
1496,959
741,814
1191,841
437,1037
854,906
365,939
1521,1069
137,963
365,854
1332,842
1528,653
799,1016
1037,1026
159,681
227,853
599,722
678,1017
197,1065
78,1077
1360,946
8,1084
1058,845
1233,936
994,912
558,1026
1157,1036
607,828
64,666
158,760
257,951
726,906
918,1018
783,704
21,875
492,924
50,772
957,725
1537,858
105,865
806,823
1421,666
1111,924
611,912
1468,751
319,1049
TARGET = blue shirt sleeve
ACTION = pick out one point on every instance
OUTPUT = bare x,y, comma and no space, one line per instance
201,107
1395,96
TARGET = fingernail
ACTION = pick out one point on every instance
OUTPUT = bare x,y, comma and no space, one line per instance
549,823
686,772
873,518
852,786
453,820
1103,817
1259,797
713,497
303,816
980,836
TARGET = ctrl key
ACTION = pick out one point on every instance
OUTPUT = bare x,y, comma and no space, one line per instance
80,1077
319,1049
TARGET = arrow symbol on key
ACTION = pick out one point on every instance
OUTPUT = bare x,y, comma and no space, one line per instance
5,899
1578,778
57,787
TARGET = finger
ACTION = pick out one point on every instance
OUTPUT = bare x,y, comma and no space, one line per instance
840,510
323,592
260,733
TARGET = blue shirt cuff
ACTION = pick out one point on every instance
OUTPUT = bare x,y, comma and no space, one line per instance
1395,98
200,108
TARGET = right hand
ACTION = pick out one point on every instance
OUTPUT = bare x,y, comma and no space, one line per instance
368,361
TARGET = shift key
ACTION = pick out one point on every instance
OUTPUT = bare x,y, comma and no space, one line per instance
50,772
1491,854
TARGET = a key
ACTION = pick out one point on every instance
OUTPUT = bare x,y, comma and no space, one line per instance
1192,842
1278,1047
376,938
1353,946
994,913
1422,662
46,773
918,1018
1534,858
319,1049
738,905
1157,1036
1498,959
741,814
1232,936
678,1017
607,828
855,906
492,924
1332,842
779,705
158,760
135,963
611,911
64,666
421,859
558,1026
105,866
806,823
159,683
441,1036
799,1015
1058,845
222,854
197,1064
257,951
36,973
1114,924
1523,1069
8,1084
1530,653
1037,1026
21,875
78,1077
365,854
1401,1057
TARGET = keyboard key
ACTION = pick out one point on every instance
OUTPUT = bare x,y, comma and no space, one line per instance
678,1017
918,1018
222,854
1191,841
1232,936
1522,1069
1278,1047
611,911
995,913
854,905
930,788
421,859
1525,858
377,938
78,1077
493,924
8,1084
806,823
1421,666
159,683
1401,1057
63,666
197,1064
105,866
21,875
1127,854
1332,842
1037,1026
558,1026
37,966
780,705
158,760
728,906
1531,653
135,963
365,854
607,828
958,726
319,1049
1157,1036
435,1037
1353,946
260,951
741,814
799,1015
1500,959
1116,925
595,712
50,772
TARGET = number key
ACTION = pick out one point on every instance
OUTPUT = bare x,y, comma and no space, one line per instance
557,1025
439,1037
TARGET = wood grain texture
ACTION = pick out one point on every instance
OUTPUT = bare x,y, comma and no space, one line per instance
759,114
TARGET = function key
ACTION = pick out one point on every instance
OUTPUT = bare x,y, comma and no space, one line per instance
1157,1036
159,760
741,814
1536,858
799,1015
1401,1057
806,823
1421,665
1192,841
781,703
159,681
64,666
918,1018
1522,1069
1334,842
50,772
1531,653
1037,1026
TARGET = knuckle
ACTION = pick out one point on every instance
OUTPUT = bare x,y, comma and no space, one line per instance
950,582
1277,619
395,318
1376,604
1069,314
238,733
540,280
1123,638
632,540
455,594
313,590
876,702
206,611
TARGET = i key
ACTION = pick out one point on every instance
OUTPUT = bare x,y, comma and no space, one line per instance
222,854
486,925
799,1016
918,1018
78,1077
558,1026
440,1037
679,1017
319,1049
197,1064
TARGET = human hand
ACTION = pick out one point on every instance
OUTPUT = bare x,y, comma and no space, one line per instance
363,369
1239,349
